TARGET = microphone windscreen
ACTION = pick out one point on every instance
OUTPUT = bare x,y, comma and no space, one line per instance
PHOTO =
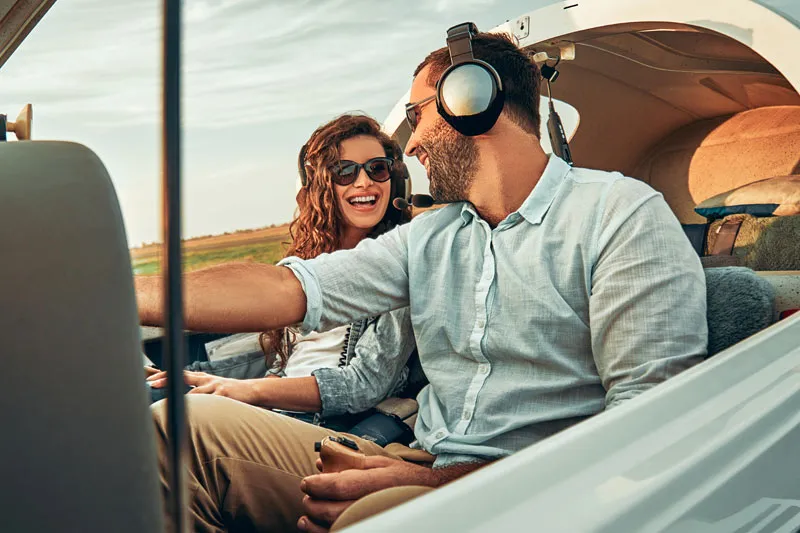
422,200
400,204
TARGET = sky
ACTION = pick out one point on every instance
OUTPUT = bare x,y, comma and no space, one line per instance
258,77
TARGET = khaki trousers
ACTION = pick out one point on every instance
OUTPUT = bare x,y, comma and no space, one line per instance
245,464
377,502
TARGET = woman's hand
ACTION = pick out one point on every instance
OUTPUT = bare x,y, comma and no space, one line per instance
244,390
289,394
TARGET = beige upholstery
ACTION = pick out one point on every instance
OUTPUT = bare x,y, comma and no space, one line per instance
710,157
787,289
762,243
77,450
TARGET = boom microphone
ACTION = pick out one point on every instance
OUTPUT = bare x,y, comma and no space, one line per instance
400,204
417,200
422,200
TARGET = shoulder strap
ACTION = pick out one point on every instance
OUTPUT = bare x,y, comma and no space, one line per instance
287,339
726,237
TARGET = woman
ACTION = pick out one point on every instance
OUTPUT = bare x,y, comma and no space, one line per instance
348,170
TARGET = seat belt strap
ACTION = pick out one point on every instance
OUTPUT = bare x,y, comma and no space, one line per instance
402,408
726,237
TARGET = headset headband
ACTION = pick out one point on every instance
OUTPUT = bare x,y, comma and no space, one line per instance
459,42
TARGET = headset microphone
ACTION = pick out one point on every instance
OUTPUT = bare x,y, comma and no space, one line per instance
416,200
400,204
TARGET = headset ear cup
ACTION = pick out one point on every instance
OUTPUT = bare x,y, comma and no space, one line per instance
479,124
470,97
403,179
401,188
301,165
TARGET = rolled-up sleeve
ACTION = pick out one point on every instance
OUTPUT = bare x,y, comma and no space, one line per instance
648,298
445,460
350,285
382,352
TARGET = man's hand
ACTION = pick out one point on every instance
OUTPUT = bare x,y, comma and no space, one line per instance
328,495
244,390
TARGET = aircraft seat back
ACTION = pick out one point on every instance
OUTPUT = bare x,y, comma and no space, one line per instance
78,451
712,156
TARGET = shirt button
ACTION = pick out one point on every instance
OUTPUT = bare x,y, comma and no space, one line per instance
439,435
467,414
481,323
483,369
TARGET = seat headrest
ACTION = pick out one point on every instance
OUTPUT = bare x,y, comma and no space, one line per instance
80,447
710,157
778,196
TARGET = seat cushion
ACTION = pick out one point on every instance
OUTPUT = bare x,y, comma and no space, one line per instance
739,304
778,196
762,243
787,290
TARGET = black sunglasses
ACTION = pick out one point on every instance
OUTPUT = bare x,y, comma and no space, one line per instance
412,111
378,169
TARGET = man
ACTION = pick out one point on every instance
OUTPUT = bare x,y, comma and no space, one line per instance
542,295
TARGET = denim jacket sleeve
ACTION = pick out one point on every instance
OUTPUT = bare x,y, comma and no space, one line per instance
382,352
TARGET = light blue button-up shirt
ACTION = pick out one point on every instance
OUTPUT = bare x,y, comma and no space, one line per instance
587,295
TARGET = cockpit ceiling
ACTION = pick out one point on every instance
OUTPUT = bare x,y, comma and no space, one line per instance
17,19
699,73
634,84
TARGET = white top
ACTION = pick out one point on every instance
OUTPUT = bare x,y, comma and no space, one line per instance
239,343
316,350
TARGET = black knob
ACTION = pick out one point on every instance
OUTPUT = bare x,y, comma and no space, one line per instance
317,446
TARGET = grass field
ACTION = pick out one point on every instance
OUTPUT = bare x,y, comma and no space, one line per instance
261,245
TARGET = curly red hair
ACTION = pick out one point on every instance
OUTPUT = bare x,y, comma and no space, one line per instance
317,226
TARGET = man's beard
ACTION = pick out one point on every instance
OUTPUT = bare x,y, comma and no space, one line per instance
452,160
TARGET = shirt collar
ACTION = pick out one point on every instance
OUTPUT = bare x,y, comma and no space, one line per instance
467,213
541,197
538,201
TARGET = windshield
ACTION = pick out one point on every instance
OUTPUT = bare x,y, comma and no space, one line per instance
258,78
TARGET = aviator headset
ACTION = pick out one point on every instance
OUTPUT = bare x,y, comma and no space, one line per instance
469,94
400,181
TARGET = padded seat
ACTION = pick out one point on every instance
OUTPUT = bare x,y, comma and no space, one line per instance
78,450
709,157
787,290
739,303
761,243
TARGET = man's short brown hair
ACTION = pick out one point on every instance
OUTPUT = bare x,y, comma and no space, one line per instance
520,75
